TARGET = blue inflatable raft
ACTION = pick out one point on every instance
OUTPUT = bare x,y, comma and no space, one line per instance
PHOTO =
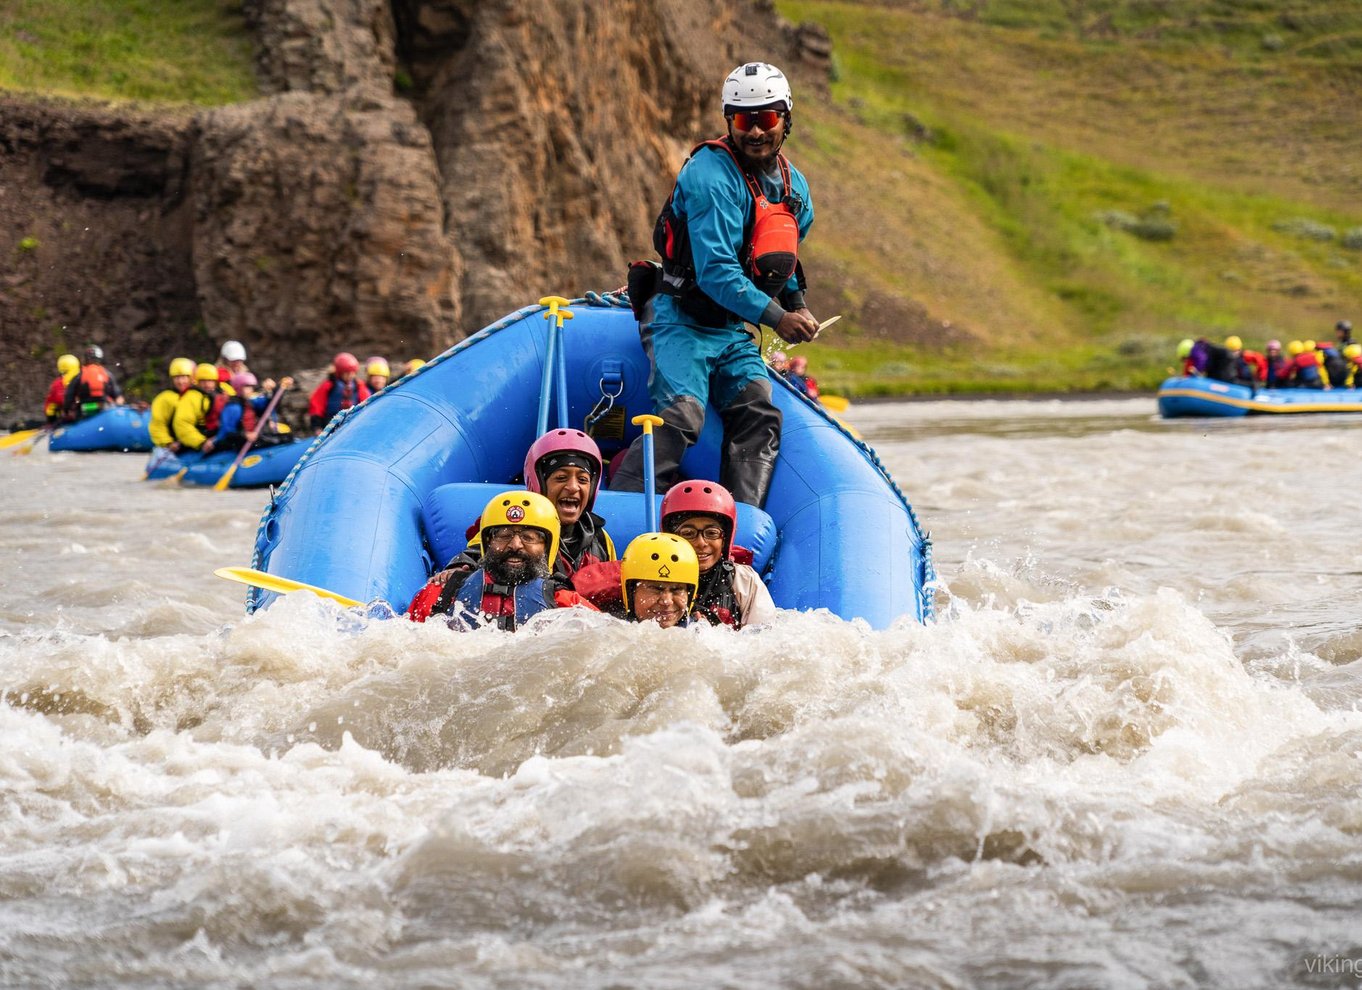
116,428
382,498
260,467
1190,396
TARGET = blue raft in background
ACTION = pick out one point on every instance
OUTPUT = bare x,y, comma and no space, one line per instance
260,467
1191,396
115,428
366,511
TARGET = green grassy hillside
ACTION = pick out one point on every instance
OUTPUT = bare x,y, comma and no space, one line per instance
1075,187
163,51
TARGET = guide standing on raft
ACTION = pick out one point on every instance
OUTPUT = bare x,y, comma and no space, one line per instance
729,238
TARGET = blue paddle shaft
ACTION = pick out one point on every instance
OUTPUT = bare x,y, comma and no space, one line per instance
561,353
546,384
649,481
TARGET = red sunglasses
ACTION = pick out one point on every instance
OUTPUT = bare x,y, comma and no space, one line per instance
746,120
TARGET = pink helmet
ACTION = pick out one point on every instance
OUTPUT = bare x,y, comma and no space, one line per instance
1274,345
243,378
345,362
563,448
701,498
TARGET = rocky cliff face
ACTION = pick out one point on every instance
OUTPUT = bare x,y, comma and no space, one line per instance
96,240
419,168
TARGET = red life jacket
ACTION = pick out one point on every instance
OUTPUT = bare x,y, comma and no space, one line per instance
1258,363
212,414
599,583
1304,367
56,397
424,601
249,417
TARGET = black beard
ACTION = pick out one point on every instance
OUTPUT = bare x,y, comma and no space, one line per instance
494,562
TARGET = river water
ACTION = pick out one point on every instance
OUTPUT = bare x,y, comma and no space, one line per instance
1127,754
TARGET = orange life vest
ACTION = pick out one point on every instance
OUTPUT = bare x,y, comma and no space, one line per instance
95,380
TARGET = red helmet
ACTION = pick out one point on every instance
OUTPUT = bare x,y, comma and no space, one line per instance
563,448
345,362
702,498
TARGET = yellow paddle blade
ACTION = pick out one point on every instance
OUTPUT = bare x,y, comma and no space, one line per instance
221,484
835,403
14,439
273,582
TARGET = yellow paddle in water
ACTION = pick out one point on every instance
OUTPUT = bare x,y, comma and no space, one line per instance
273,582
835,403
23,436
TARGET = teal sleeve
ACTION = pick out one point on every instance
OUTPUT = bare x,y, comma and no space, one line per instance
715,202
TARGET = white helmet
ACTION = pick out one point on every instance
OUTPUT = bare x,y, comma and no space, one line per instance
233,351
756,84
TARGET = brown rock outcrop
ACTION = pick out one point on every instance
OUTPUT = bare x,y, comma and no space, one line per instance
321,46
317,224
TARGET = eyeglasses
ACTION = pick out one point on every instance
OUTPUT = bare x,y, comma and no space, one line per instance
746,120
660,590
689,533
502,535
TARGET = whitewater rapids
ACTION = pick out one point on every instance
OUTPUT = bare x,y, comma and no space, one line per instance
1127,754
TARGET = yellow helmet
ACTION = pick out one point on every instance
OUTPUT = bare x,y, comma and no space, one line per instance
522,508
378,366
1307,345
1184,347
68,365
1233,343
659,557
1294,348
205,373
182,366
414,364
1352,351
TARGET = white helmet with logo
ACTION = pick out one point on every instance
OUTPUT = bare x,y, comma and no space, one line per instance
756,85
